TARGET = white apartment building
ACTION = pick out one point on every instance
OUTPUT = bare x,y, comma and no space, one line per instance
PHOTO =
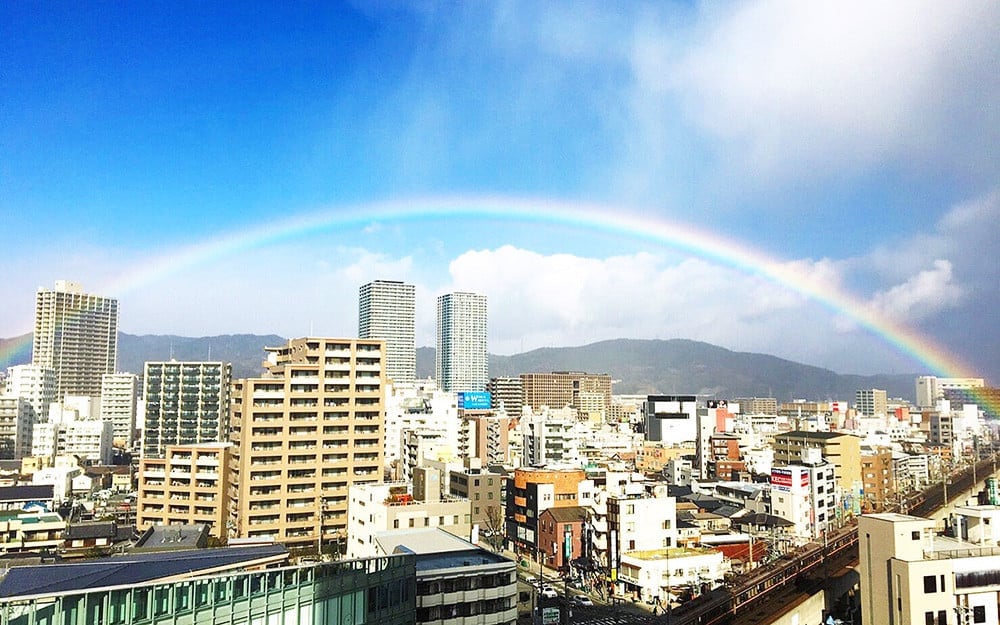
909,574
90,440
806,495
36,385
421,445
554,437
461,361
76,335
419,405
657,575
640,522
377,508
119,395
387,311
60,477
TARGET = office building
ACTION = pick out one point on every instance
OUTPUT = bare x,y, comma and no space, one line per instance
186,403
189,485
76,335
757,405
871,402
119,397
386,310
585,392
461,360
304,433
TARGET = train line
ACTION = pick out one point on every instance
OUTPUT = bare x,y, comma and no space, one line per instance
722,605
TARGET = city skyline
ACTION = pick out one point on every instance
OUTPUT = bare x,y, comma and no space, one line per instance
792,180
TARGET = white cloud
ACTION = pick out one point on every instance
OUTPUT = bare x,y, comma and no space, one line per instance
817,87
924,294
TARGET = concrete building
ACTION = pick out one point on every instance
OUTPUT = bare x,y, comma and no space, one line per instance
305,432
387,311
930,388
421,407
457,582
878,479
659,575
671,419
586,392
247,584
757,405
639,522
30,531
90,440
842,450
531,492
461,361
36,385
119,397
553,437
871,402
487,436
186,403
76,335
16,427
377,508
189,485
484,491
911,575
506,393
805,493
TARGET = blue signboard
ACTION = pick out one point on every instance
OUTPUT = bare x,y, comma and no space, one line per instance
477,400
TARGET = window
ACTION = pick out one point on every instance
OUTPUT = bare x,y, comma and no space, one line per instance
942,617
979,614
928,618
915,535
930,584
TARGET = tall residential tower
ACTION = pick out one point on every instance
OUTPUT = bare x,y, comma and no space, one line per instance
386,311
76,335
461,361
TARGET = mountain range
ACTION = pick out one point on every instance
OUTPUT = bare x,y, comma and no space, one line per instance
676,366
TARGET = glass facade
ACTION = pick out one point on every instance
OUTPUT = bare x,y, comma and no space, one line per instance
352,592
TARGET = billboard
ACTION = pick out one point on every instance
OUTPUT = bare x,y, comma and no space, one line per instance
781,479
474,400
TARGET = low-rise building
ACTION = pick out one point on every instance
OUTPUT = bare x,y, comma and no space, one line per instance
30,531
659,575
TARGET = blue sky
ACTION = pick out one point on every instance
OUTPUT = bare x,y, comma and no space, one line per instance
856,141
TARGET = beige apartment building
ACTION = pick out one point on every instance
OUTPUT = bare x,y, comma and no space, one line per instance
190,484
304,433
587,392
843,451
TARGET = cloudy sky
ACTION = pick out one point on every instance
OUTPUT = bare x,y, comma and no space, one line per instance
246,168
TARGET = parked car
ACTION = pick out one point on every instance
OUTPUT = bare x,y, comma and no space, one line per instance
549,592
582,600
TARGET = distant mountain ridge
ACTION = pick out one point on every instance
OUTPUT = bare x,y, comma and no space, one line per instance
676,366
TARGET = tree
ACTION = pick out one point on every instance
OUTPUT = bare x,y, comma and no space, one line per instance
493,527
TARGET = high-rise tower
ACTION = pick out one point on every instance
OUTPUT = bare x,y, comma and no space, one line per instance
386,311
461,361
76,335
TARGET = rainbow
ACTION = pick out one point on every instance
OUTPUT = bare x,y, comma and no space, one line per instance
589,216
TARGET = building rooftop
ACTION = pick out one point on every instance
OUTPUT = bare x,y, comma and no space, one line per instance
40,492
51,579
437,549
172,538
812,435
670,553
569,514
